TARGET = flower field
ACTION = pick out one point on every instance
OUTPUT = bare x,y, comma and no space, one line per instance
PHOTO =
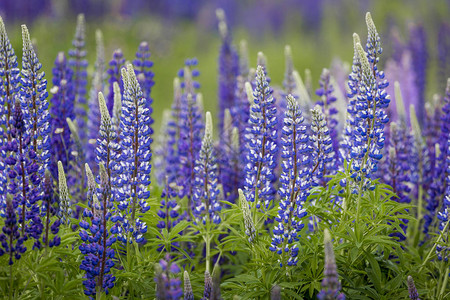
326,185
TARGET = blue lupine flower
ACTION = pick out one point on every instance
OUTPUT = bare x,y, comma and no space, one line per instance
168,285
163,149
11,240
98,85
9,86
142,65
326,92
261,139
294,180
133,181
322,155
331,286
97,241
62,108
191,130
35,105
370,116
188,294
398,168
24,180
115,65
208,286
353,89
418,47
228,69
206,205
79,64
169,208
413,294
9,82
49,209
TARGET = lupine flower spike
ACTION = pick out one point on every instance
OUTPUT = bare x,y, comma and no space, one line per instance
294,180
167,281
262,148
188,294
64,200
249,226
206,204
79,64
330,284
413,294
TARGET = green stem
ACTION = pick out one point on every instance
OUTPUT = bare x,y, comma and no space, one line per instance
11,282
445,281
208,249
433,248
419,215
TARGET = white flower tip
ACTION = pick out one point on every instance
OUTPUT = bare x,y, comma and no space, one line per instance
249,91
356,39
103,109
208,125
401,111
326,236
227,120
287,51
261,60
176,83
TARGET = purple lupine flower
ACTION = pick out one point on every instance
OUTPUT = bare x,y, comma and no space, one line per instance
35,105
132,182
419,52
413,294
322,154
206,206
168,211
294,181
370,108
115,65
443,47
228,68
24,180
11,240
403,72
261,136
79,64
208,286
331,286
61,109
188,294
326,93
97,241
49,209
98,85
9,82
353,90
398,170
168,285
191,130
163,148
142,65
442,250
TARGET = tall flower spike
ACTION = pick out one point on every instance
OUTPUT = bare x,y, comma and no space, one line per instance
228,68
370,118
294,180
62,108
322,156
413,294
208,286
77,152
9,84
261,139
327,102
289,82
117,109
34,92
94,117
135,164
188,294
191,131
249,226
330,284
91,186
206,205
97,241
24,181
144,74
168,283
79,64
115,65
64,200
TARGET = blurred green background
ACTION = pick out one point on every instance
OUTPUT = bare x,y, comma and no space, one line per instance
313,47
